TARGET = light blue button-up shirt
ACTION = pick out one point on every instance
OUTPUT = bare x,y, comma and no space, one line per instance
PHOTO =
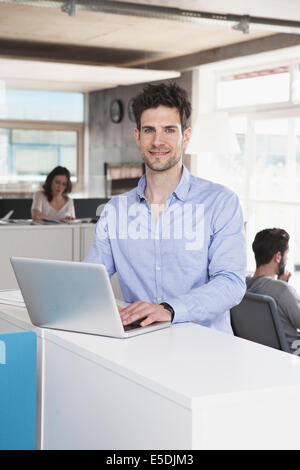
193,256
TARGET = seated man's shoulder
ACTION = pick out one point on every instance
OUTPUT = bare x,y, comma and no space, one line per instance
286,293
285,286
268,285
281,285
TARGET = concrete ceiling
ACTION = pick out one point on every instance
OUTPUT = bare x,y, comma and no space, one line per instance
39,31
121,40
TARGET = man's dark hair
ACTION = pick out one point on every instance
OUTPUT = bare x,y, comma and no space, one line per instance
170,95
58,170
267,243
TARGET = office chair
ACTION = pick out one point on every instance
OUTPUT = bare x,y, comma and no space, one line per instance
256,318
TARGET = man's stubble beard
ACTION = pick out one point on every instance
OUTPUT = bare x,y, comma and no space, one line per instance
166,165
281,267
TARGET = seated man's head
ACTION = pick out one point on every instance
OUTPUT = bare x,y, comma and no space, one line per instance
270,248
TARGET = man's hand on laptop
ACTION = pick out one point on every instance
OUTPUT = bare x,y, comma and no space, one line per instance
148,313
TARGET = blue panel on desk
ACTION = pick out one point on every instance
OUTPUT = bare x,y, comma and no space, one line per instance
17,390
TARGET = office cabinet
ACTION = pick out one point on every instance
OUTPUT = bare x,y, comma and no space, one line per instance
59,242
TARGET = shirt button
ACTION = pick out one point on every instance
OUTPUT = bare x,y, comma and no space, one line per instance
158,268
159,299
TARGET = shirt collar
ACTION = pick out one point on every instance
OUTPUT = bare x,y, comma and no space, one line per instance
141,187
184,184
180,191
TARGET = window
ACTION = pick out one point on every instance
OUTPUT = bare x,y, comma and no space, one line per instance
271,160
42,106
263,104
38,131
255,87
32,153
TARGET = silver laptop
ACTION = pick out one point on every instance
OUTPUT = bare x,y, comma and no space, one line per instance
72,296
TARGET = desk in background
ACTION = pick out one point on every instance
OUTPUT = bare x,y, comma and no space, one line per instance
84,207
58,241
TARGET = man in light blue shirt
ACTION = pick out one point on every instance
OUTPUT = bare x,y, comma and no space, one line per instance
176,241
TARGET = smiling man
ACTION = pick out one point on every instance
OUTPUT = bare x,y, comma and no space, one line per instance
176,241
161,139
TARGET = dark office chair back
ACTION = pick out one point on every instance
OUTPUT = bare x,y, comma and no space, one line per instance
256,318
20,206
88,207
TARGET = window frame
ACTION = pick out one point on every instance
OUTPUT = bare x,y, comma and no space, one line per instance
253,113
293,65
77,127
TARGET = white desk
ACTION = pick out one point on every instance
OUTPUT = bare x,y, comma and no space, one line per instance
185,387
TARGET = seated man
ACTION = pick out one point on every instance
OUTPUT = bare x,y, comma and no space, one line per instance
271,278
176,241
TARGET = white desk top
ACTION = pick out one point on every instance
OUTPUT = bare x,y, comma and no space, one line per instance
187,363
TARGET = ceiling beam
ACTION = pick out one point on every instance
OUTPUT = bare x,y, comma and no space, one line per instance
74,53
139,59
240,49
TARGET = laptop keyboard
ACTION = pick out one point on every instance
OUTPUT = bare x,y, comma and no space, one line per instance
134,325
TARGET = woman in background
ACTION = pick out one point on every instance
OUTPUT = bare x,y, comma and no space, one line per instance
52,202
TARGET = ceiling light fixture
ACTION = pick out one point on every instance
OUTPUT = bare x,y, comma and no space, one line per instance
69,6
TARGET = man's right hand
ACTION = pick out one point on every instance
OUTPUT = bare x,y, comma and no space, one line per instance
144,312
285,276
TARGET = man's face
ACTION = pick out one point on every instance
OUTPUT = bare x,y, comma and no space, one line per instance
282,263
161,139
